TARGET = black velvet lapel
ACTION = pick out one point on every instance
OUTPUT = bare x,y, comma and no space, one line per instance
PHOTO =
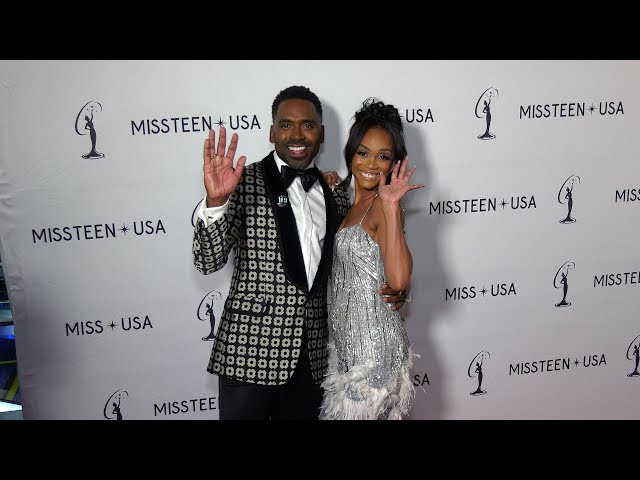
286,224
327,248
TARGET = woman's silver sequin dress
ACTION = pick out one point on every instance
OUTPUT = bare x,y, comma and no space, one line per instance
369,353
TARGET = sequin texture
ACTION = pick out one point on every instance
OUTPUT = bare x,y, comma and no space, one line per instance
369,353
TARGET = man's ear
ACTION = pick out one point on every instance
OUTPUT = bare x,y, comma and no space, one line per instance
321,133
272,135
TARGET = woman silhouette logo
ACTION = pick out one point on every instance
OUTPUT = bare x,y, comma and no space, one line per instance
561,280
475,369
113,407
565,195
485,98
634,350
84,124
205,312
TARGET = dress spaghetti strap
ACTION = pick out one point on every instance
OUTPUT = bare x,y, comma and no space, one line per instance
368,208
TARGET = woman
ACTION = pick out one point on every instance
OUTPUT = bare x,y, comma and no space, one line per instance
369,353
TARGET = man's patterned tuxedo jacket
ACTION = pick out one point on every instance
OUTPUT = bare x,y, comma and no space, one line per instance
270,306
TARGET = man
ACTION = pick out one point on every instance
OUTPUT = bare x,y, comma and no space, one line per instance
279,216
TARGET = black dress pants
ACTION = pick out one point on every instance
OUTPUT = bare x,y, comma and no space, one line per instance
298,399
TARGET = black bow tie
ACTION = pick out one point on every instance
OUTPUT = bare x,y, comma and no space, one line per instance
307,177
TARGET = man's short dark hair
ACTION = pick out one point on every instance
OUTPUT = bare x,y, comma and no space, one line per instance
296,92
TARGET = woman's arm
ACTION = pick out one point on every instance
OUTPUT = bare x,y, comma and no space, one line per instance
398,263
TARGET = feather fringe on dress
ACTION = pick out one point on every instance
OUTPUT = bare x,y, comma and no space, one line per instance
357,395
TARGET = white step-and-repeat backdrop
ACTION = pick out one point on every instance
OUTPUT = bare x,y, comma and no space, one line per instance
525,241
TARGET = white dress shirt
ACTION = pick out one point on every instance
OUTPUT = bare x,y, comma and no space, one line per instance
309,211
